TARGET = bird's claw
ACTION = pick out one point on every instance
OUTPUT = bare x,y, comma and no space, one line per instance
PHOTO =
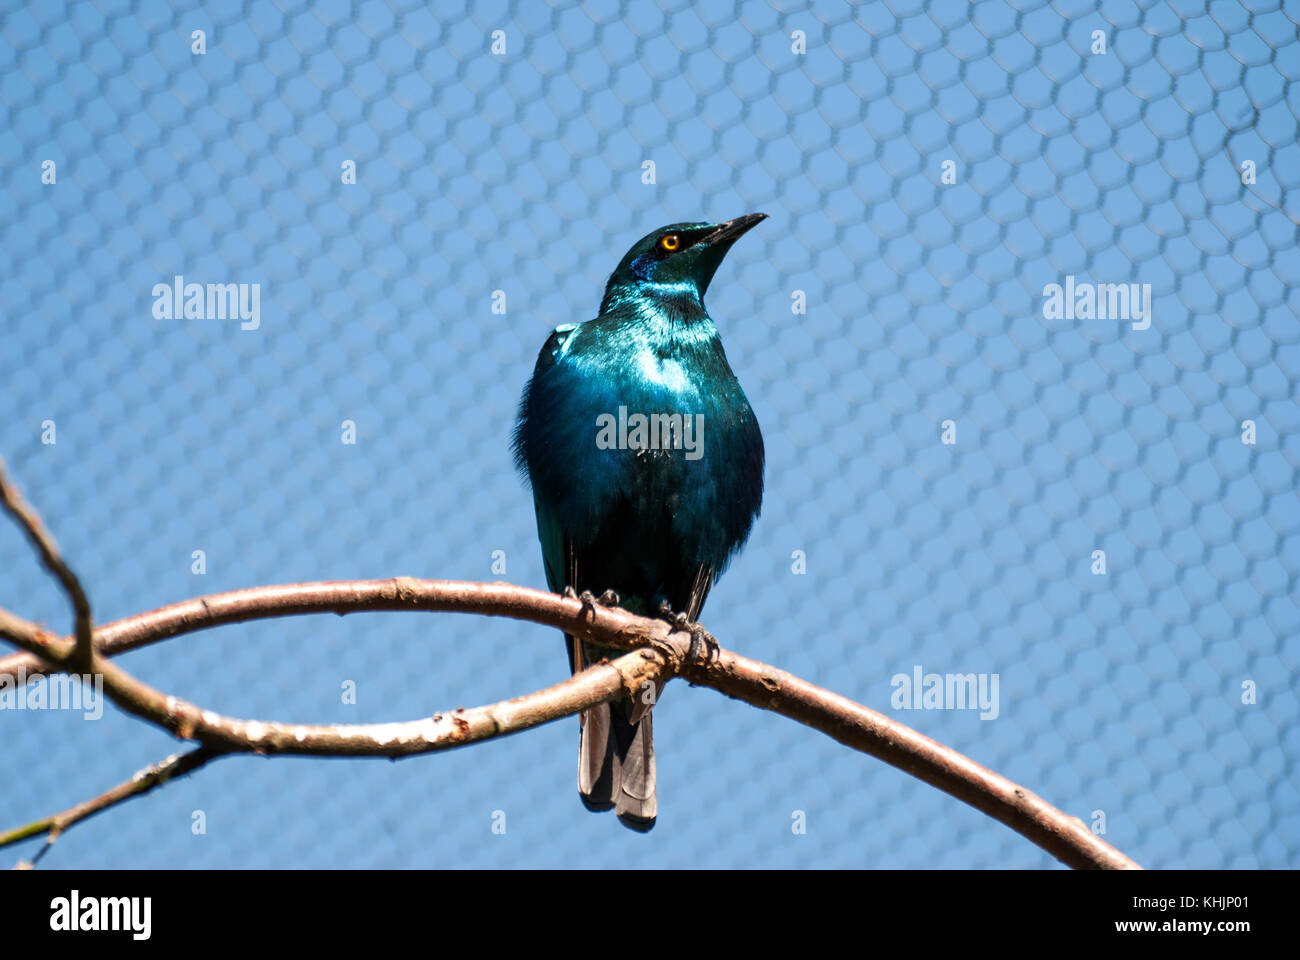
702,642
672,616
588,601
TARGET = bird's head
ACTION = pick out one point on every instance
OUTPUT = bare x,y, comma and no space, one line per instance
678,259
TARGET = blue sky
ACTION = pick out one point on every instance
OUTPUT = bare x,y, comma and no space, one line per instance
523,172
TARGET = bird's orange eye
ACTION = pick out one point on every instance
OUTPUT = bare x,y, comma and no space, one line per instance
671,242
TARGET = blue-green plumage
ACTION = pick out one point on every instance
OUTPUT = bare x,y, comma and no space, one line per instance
654,515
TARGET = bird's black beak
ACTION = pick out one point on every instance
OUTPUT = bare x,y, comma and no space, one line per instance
725,234
707,253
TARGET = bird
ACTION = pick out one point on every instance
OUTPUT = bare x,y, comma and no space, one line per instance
645,461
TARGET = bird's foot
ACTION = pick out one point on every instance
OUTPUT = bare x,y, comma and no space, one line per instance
589,600
702,642
588,603
678,620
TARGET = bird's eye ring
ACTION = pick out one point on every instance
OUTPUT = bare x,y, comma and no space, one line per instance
671,242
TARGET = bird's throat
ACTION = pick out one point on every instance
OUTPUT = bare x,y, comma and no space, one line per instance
667,318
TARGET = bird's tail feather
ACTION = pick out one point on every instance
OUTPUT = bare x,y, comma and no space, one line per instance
616,765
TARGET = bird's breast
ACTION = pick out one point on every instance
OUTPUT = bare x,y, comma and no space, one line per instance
666,373
660,443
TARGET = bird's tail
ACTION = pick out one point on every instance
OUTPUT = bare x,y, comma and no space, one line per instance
616,765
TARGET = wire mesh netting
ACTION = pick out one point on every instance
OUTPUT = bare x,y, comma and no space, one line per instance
947,451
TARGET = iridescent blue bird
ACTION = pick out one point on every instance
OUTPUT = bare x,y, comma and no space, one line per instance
646,464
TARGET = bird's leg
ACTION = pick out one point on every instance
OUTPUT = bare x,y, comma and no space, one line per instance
608,599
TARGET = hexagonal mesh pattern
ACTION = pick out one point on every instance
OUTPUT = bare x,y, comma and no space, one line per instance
931,169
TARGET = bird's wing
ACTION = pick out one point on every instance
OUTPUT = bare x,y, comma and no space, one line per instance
556,345
690,598
561,563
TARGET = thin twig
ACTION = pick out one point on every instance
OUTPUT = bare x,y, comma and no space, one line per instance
151,777
30,522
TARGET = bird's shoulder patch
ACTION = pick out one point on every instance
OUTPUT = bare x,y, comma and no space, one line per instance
556,345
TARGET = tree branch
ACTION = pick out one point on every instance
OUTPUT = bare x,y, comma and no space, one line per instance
660,652
751,681
606,681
